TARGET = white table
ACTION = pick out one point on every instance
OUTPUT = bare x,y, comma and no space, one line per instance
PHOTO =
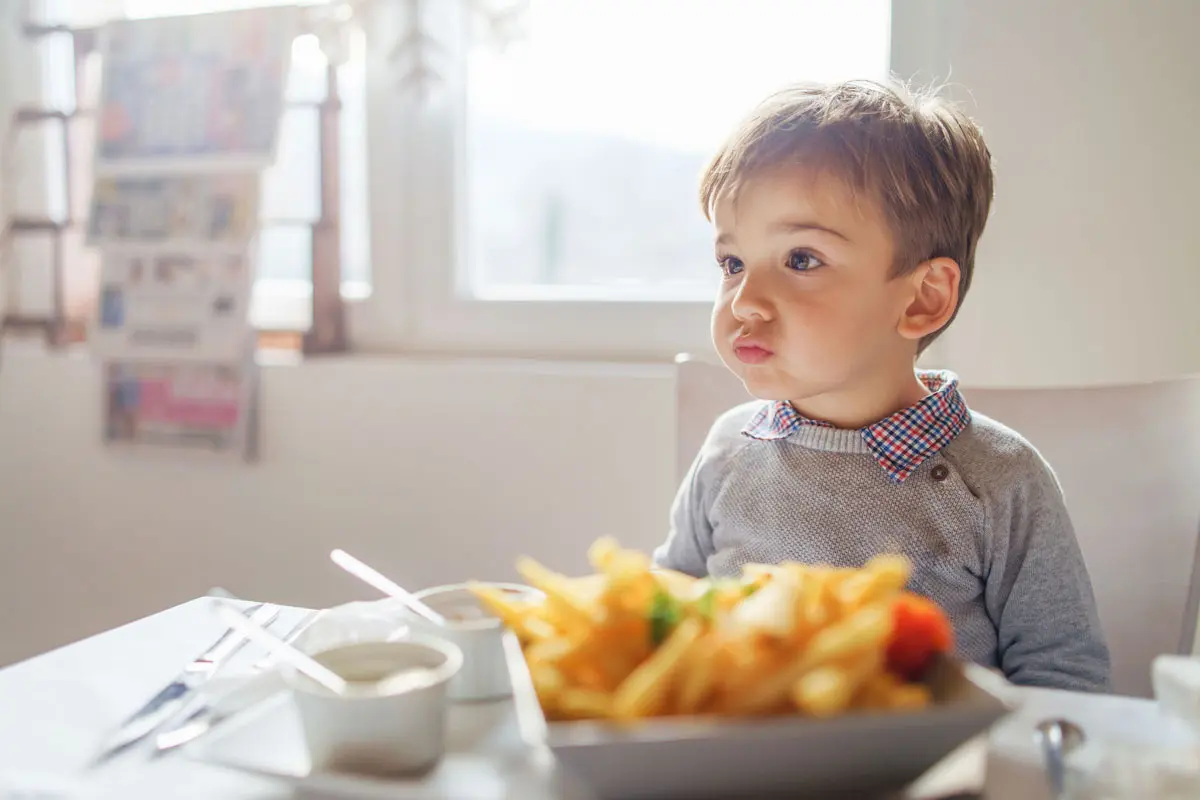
55,708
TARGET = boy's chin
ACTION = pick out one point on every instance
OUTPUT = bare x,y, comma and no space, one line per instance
768,381
765,386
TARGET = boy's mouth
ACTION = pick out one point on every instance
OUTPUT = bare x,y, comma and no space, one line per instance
751,352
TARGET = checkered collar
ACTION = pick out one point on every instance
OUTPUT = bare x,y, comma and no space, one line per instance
900,442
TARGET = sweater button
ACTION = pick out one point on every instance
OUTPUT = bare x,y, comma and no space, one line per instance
939,473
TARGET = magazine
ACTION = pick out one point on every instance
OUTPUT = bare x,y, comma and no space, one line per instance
158,303
182,209
191,91
205,408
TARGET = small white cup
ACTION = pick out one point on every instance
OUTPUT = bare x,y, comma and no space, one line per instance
375,728
477,633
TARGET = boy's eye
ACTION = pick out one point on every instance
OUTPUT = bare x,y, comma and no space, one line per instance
803,261
730,265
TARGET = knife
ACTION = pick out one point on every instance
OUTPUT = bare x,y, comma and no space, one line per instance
172,697
253,693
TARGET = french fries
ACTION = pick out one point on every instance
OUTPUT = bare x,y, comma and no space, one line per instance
631,642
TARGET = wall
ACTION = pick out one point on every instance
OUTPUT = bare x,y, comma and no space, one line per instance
434,472
1090,267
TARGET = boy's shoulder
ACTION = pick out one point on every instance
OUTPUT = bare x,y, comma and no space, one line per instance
725,437
991,455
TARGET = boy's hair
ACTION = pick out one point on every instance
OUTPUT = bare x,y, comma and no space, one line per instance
919,157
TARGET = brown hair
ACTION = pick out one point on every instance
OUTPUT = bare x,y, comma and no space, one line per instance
919,157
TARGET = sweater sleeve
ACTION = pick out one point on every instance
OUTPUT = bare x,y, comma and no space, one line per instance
1038,591
689,543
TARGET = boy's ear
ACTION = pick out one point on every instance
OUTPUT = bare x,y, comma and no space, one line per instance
934,298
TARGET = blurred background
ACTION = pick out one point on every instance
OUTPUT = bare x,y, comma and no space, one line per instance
521,255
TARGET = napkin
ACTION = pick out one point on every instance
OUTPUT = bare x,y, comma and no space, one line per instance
1176,681
1125,772
19,785
1119,729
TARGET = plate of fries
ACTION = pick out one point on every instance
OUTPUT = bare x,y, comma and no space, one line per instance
648,683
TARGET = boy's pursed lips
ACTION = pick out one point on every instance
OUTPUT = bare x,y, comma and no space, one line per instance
750,350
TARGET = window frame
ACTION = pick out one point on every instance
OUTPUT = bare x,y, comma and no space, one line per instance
418,301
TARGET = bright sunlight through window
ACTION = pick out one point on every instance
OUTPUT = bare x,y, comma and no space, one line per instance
586,140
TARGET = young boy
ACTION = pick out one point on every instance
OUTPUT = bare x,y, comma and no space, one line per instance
846,221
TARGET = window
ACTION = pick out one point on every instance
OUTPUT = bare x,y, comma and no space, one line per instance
585,140
539,198
545,199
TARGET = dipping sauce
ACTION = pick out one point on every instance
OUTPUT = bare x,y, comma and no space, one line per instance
391,719
464,612
371,670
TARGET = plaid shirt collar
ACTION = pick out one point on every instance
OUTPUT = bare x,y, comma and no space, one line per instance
899,442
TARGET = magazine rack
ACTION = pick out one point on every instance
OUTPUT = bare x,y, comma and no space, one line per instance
67,322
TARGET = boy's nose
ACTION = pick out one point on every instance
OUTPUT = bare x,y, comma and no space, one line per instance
753,298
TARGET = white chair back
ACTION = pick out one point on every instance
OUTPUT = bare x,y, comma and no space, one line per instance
1128,458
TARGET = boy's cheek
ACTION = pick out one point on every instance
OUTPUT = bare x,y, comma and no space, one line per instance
724,329
731,362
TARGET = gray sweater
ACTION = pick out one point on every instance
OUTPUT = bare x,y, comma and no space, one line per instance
982,520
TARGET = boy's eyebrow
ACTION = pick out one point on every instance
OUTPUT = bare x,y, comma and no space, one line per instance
790,227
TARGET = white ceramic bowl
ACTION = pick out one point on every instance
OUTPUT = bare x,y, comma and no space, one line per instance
477,633
375,729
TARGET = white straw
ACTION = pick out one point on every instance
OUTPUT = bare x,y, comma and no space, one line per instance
384,584
281,649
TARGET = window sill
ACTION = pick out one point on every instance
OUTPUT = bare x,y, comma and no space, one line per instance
286,305
281,312
282,357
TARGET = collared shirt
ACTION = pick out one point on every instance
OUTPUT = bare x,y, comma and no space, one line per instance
900,442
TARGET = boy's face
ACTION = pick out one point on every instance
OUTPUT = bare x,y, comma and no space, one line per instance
807,308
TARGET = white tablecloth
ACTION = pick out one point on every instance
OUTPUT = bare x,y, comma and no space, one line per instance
54,710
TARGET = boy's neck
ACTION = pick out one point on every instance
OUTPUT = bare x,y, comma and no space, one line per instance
865,403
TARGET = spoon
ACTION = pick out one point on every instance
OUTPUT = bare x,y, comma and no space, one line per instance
281,649
1059,738
385,584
